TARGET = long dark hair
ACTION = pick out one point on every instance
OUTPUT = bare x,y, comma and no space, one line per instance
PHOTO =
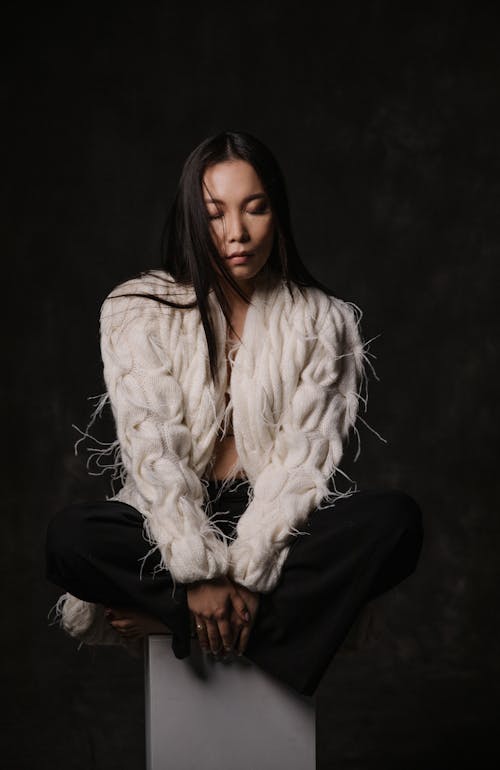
187,248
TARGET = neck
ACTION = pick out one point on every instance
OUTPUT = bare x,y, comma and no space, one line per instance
235,302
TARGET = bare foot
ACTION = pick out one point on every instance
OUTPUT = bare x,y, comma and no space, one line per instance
132,624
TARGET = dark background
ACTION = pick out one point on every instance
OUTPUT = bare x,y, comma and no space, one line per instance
384,117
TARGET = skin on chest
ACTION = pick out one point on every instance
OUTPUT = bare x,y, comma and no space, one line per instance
225,454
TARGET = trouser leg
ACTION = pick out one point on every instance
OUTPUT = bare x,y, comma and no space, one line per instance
95,551
355,550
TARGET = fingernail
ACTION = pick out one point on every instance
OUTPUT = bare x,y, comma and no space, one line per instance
246,616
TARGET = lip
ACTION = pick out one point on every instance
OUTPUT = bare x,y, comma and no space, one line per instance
239,257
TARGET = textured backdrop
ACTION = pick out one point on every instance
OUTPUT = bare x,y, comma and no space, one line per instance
384,117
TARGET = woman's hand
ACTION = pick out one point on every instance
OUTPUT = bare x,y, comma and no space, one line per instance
221,611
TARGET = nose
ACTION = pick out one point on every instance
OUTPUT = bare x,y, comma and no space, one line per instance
236,230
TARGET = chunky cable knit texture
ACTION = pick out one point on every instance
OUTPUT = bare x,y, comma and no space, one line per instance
296,380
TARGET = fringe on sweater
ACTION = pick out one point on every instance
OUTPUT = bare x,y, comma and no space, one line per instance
86,621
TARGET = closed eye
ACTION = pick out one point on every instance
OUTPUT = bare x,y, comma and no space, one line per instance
257,212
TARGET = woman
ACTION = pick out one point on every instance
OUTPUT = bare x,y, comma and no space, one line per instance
229,529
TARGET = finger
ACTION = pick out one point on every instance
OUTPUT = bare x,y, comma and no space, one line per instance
226,634
214,639
202,633
240,606
236,624
237,630
196,620
243,640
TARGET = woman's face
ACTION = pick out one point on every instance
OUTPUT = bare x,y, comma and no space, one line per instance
240,217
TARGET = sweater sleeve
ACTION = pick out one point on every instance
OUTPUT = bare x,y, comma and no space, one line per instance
155,442
307,451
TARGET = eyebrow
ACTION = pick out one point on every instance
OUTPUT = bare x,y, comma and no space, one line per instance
245,200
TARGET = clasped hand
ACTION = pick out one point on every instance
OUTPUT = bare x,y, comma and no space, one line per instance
223,613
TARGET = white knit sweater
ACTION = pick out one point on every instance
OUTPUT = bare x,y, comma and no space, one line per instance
295,384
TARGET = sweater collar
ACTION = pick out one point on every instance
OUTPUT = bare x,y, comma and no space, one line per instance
266,283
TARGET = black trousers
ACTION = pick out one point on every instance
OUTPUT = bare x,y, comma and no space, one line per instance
354,550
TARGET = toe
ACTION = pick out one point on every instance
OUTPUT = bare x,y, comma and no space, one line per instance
121,624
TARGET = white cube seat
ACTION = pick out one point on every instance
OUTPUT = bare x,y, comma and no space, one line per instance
203,714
